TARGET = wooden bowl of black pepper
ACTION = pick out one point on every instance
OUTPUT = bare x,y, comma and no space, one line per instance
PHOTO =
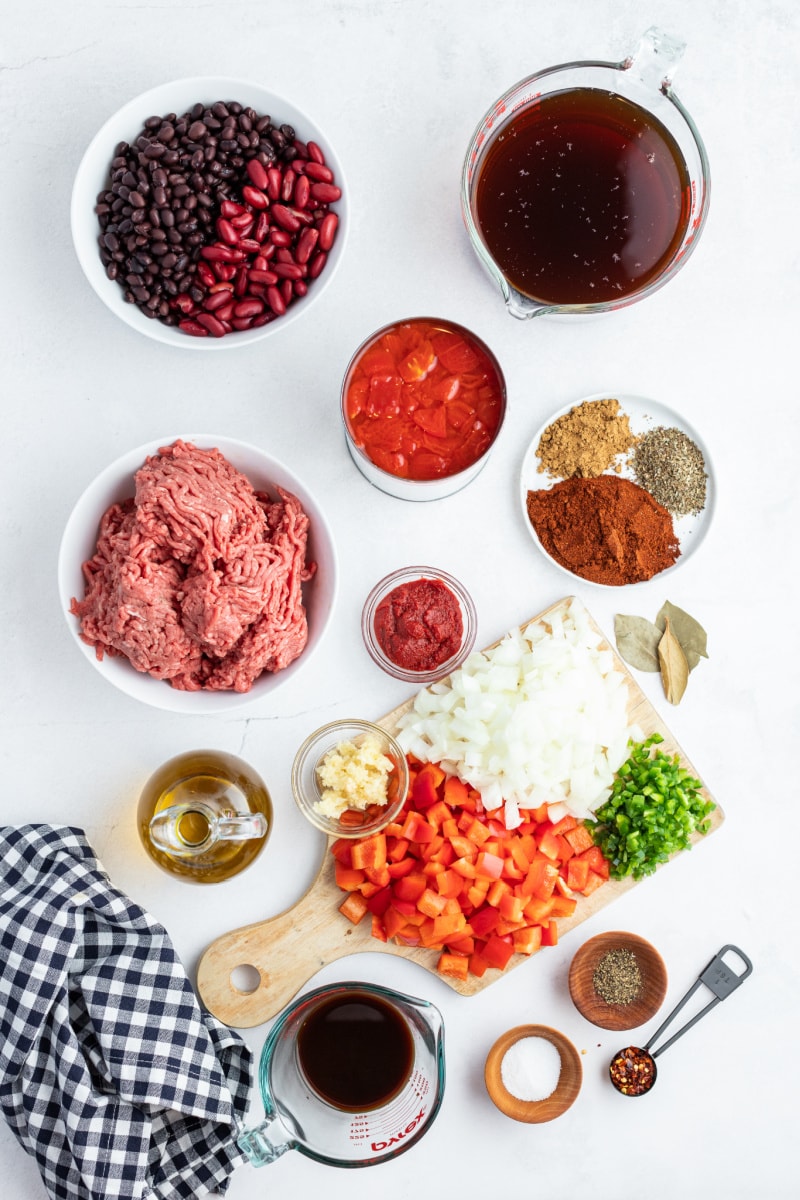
617,980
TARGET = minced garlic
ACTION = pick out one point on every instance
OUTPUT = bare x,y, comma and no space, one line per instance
353,777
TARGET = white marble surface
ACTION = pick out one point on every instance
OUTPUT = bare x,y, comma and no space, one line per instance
399,87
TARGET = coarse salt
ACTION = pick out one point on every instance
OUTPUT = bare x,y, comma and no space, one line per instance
531,1068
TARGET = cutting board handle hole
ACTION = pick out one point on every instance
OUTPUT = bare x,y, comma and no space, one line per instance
245,979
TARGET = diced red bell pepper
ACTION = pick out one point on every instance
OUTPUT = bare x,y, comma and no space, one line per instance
579,838
354,907
455,966
498,951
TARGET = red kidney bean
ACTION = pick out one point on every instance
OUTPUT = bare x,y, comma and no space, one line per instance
222,254
205,275
287,184
193,329
211,324
249,308
319,172
326,193
285,218
250,245
225,312
300,287
280,237
316,264
227,232
241,323
302,192
276,301
327,230
222,287
257,173
243,223
229,209
224,271
262,227
289,270
262,277
315,153
240,282
286,291
305,244
254,197
216,300
184,302
274,181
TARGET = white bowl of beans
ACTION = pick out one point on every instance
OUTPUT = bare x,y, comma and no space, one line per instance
208,213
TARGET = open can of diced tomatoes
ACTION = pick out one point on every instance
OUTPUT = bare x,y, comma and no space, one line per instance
423,402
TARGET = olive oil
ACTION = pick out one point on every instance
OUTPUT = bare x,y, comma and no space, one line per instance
203,784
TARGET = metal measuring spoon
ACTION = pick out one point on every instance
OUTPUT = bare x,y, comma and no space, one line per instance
633,1070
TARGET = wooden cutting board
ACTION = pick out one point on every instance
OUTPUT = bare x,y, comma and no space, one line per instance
286,950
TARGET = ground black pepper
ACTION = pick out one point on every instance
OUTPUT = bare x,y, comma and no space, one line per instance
617,978
671,467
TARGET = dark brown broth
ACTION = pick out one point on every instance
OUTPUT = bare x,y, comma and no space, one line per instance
355,1051
583,198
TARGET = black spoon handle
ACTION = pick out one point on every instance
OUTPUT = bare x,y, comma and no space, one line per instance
720,979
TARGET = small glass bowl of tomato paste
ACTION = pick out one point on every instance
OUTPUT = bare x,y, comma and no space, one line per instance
419,624
423,401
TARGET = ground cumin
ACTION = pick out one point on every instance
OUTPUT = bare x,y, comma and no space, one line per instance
607,530
586,440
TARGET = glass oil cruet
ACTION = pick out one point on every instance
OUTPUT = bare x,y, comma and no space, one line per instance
204,816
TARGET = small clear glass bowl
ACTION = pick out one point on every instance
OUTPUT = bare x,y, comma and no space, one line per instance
306,786
469,618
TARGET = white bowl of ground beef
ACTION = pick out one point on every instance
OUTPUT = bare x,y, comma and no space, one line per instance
197,574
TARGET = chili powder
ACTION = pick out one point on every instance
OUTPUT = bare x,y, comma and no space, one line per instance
607,530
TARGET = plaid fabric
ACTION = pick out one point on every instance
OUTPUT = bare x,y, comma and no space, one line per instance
111,1076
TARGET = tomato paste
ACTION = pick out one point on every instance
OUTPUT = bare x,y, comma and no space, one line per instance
419,625
424,400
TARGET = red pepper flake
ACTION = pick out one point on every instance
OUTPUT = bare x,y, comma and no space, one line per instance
633,1071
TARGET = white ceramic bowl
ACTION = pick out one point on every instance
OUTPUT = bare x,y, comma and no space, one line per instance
115,483
125,124
644,414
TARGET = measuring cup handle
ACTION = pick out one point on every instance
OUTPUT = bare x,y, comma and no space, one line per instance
656,58
265,1143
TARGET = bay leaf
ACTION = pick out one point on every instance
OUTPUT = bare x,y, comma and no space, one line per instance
674,667
637,641
687,630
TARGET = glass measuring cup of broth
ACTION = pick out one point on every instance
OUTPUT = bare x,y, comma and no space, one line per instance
351,1075
586,186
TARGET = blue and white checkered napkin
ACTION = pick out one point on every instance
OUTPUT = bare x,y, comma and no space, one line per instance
110,1073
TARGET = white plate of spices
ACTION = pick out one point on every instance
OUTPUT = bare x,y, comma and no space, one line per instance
616,489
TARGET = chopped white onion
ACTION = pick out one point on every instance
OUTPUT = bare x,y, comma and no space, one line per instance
542,718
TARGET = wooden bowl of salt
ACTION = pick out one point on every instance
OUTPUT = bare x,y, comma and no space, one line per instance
533,1073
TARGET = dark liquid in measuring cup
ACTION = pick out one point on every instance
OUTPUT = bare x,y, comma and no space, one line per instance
355,1051
583,198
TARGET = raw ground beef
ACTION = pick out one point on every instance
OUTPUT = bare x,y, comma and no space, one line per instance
197,578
